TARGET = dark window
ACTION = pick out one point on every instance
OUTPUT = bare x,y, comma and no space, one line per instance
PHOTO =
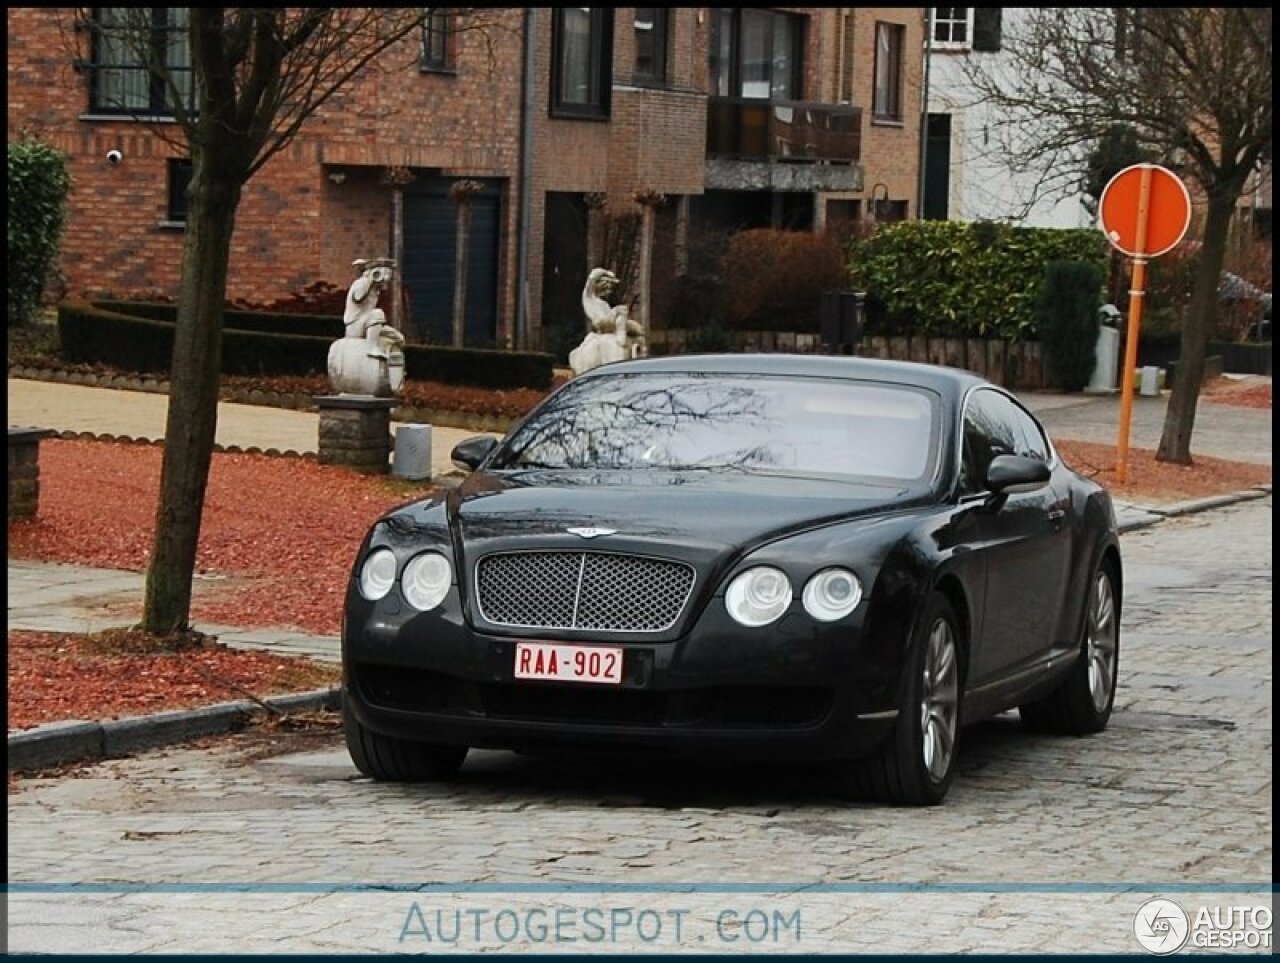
756,53
582,64
995,424
986,29
179,181
140,60
651,26
437,41
886,99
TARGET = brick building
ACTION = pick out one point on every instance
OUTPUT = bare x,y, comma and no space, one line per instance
722,118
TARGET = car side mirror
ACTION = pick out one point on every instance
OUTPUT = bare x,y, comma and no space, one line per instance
1016,473
471,452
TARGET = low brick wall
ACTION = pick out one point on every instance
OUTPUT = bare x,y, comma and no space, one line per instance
24,470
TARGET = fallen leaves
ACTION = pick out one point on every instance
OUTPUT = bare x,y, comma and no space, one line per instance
54,676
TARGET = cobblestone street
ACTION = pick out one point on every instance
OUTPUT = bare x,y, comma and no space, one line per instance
1044,844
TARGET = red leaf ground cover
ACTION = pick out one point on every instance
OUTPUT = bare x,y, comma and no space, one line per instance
287,527
54,677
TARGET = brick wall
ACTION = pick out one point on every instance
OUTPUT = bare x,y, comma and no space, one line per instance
296,226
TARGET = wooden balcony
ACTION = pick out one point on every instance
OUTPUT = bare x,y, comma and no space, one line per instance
739,128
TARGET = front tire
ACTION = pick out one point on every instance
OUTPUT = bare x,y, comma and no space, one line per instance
916,764
389,759
1082,704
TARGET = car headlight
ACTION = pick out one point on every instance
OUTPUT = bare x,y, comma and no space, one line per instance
377,574
758,596
832,594
426,580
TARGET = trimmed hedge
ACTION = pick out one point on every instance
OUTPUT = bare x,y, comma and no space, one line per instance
90,334
956,279
236,319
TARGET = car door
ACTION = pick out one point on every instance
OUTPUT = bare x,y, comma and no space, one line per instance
1024,542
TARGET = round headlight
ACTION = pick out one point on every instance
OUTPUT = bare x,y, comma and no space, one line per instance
377,574
832,594
758,596
426,580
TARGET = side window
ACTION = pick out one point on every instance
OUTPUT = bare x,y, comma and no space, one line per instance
1033,440
992,427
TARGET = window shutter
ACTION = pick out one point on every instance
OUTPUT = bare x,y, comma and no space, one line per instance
986,29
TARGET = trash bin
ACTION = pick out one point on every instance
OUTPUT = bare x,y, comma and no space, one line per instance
1106,362
840,320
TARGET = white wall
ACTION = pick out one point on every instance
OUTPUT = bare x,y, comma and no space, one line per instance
983,185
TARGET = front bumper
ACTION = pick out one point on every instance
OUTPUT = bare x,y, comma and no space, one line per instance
796,690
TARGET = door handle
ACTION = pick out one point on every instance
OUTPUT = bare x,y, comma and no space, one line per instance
1056,515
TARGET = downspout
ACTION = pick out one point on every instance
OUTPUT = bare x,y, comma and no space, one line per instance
525,182
924,114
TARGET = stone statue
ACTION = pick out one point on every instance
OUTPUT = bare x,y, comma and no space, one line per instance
369,359
611,334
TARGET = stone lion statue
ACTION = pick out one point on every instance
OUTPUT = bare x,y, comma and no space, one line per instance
611,334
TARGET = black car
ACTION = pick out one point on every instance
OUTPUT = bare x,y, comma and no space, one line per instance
763,557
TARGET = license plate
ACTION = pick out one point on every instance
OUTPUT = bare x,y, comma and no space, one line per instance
568,663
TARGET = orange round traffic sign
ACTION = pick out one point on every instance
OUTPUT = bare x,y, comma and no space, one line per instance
1150,226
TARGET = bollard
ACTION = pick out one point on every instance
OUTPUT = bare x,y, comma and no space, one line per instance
412,456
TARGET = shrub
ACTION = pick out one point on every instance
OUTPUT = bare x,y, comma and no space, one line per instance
38,187
773,280
1066,311
957,279
709,338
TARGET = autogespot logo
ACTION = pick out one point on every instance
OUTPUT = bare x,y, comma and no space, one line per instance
1161,926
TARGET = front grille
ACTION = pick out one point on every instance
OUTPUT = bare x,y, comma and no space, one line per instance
582,590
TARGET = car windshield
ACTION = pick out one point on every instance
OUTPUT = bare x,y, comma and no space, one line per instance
815,427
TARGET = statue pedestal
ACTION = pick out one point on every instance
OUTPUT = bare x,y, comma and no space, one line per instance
355,432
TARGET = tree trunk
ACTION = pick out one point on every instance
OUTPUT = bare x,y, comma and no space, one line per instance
1180,416
192,419
460,273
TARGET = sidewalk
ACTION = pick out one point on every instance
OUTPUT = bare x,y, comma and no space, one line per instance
141,415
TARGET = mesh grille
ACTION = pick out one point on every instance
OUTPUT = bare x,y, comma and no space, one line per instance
582,590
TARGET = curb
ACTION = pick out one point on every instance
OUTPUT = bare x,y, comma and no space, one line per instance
1157,513
57,743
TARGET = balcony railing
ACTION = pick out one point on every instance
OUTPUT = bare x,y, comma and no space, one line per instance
739,128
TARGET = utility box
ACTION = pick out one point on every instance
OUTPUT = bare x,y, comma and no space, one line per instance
412,456
840,320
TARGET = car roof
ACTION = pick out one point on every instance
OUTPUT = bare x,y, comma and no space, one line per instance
949,382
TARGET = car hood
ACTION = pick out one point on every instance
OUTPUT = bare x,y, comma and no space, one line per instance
688,514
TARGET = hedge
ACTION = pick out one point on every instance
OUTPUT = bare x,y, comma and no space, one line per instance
958,279
91,334
316,325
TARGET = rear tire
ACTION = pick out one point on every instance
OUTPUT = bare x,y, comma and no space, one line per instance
389,759
916,764
1082,703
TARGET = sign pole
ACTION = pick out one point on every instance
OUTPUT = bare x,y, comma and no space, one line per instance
1136,292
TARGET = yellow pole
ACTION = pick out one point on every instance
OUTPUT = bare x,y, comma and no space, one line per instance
1136,290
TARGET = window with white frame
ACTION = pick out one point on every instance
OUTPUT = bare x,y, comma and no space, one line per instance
952,27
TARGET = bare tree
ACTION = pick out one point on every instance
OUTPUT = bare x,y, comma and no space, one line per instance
240,82
1194,87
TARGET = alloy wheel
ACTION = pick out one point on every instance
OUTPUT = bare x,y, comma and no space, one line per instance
1101,638
939,700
